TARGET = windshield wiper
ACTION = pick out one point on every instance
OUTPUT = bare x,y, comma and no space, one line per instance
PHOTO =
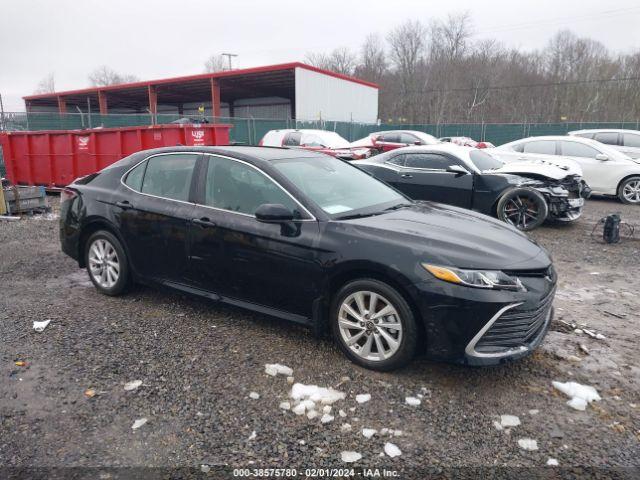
357,215
399,206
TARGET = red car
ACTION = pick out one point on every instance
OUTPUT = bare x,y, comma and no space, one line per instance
317,140
466,142
390,140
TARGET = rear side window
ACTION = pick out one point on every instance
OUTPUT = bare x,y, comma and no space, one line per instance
169,176
545,147
575,149
610,138
631,140
391,137
408,138
235,186
134,178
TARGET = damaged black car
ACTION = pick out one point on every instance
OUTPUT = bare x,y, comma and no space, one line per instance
523,194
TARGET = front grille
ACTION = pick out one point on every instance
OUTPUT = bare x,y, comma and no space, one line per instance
515,328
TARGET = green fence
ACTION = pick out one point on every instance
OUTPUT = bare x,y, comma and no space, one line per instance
249,131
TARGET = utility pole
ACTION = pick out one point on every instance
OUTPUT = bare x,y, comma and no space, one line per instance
229,56
2,123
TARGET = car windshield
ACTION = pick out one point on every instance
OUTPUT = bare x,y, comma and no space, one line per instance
483,161
340,189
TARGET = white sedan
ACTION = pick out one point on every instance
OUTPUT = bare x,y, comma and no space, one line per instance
606,170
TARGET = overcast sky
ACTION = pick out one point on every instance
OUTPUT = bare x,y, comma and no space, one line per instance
164,38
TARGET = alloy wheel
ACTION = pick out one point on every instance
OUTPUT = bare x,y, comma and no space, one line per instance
370,325
104,264
631,191
520,211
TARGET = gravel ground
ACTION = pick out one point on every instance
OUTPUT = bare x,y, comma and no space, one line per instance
198,363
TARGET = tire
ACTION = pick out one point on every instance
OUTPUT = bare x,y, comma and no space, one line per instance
370,331
629,191
107,263
524,208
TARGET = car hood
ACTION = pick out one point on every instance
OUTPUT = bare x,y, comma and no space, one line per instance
539,169
451,236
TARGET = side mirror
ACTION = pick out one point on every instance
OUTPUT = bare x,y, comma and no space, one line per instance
273,213
602,157
417,142
457,169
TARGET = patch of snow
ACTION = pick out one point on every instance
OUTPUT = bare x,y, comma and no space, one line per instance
326,396
274,369
254,395
384,431
369,432
345,427
552,462
413,401
138,423
528,444
326,418
301,442
326,409
290,380
342,413
252,436
132,385
534,412
363,397
299,409
509,421
392,450
581,395
397,433
311,414
40,326
285,405
349,457
497,424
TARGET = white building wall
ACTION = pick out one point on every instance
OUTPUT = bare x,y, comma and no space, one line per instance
331,98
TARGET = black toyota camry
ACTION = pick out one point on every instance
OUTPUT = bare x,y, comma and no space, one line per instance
312,239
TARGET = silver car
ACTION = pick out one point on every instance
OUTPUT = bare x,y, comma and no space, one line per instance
627,141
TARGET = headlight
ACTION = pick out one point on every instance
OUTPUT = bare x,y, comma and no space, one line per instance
475,278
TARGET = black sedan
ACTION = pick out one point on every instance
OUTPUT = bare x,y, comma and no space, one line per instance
312,239
523,194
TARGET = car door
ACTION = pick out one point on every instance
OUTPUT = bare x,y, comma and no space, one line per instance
154,215
631,145
599,174
389,141
424,176
234,255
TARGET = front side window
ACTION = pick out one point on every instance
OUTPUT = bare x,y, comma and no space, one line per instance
631,140
610,138
238,187
545,147
391,137
575,149
431,161
337,187
167,176
397,160
483,161
293,139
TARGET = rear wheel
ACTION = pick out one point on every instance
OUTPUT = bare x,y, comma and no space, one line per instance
107,263
629,190
373,325
524,208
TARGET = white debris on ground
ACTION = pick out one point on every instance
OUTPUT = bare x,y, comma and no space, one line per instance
363,397
133,385
326,409
507,421
254,395
252,436
581,395
274,369
534,412
413,401
326,418
138,423
311,414
350,457
552,462
592,334
342,413
369,432
392,450
325,396
528,444
285,405
345,427
40,326
497,424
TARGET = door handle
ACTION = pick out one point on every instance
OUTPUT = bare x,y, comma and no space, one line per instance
204,222
406,175
125,205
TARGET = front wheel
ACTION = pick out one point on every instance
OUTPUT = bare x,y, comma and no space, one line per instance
629,191
107,263
373,325
524,208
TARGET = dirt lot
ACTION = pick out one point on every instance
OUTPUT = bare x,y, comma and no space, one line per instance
199,362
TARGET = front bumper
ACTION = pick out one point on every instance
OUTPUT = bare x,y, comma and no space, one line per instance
485,327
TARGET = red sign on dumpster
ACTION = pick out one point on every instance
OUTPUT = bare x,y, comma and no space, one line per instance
83,143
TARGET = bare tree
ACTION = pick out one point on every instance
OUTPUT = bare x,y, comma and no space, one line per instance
373,61
215,63
103,76
46,85
341,60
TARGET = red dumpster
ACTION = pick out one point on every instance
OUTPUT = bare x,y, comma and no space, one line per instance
54,158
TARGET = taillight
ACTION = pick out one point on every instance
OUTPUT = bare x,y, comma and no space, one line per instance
67,195
481,145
